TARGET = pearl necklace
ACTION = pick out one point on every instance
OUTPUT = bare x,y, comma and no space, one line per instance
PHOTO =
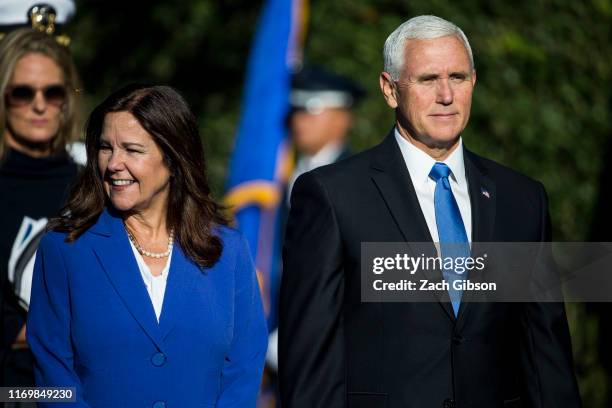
146,253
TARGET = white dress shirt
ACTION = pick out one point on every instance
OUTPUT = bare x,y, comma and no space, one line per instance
156,285
419,165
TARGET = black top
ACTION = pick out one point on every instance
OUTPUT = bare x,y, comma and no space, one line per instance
34,188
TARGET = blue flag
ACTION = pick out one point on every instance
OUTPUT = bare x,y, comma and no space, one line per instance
260,163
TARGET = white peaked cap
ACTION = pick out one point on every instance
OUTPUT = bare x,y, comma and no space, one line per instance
15,12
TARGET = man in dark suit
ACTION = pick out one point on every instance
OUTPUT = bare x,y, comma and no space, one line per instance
419,185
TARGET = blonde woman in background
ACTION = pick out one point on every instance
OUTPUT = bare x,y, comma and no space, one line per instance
38,120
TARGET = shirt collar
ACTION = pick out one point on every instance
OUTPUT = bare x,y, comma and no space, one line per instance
327,155
420,163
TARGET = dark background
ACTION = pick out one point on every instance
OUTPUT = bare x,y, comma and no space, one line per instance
541,105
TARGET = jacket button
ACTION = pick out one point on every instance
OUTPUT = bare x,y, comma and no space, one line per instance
458,339
158,360
159,404
448,403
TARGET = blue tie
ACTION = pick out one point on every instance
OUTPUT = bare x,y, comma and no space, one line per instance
451,231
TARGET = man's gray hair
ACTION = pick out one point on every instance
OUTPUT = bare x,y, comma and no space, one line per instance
418,28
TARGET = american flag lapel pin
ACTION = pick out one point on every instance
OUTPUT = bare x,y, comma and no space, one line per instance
485,192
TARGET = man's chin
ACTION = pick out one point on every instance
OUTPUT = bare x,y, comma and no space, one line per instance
447,142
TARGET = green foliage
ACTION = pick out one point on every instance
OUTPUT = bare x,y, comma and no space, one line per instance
541,103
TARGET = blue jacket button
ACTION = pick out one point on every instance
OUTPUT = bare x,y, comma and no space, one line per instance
159,404
158,360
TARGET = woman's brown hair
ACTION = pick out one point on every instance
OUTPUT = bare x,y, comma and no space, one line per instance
192,212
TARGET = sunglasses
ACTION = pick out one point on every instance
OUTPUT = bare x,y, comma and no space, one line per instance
21,95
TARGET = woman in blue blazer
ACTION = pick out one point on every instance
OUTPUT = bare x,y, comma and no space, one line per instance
142,297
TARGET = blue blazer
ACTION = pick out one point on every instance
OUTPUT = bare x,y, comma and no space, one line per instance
92,326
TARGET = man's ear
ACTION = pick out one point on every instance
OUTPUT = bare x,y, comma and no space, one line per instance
387,87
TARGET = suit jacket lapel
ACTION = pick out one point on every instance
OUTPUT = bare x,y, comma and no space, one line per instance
483,201
391,176
115,254
181,277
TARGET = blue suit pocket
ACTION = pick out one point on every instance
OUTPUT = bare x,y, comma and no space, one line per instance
367,400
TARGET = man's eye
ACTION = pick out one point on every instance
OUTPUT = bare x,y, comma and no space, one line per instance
428,80
105,147
458,78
